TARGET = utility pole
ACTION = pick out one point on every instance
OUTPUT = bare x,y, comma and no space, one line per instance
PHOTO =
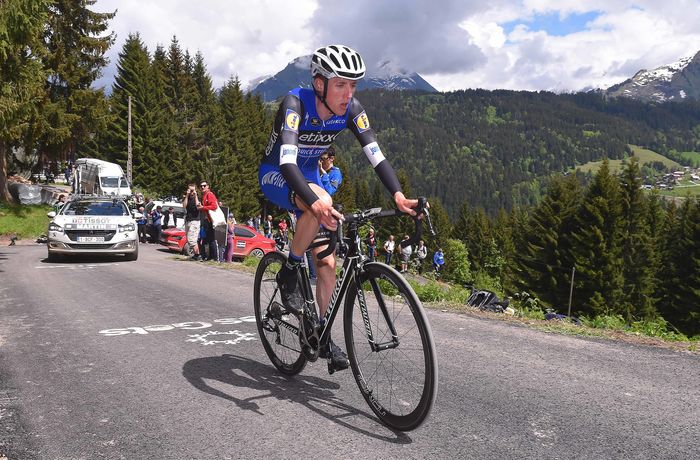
128,146
571,290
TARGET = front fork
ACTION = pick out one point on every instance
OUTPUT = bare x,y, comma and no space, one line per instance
375,347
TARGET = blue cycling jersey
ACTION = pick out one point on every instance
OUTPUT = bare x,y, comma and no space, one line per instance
298,139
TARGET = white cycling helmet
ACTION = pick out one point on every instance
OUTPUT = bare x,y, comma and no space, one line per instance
337,61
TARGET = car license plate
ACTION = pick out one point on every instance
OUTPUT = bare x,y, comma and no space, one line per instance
91,239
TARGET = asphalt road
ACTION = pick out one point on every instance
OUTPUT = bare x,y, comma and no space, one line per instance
159,359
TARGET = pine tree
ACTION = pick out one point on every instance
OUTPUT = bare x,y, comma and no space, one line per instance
182,96
545,258
681,265
441,224
503,237
21,74
156,162
363,198
473,227
208,144
75,57
597,247
346,193
242,151
131,80
638,251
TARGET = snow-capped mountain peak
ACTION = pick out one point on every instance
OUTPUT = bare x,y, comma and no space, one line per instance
672,82
386,75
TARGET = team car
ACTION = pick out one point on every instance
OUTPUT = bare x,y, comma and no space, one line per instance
93,225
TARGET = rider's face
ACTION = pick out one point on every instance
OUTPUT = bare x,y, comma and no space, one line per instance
340,91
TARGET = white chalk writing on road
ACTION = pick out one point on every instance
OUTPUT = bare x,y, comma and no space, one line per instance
189,325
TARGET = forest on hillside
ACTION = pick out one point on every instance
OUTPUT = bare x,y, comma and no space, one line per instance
495,149
493,163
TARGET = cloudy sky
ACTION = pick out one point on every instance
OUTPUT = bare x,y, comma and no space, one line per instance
559,45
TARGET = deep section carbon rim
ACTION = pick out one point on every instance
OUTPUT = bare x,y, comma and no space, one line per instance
398,382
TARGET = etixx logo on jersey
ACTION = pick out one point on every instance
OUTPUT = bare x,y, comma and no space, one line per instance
362,122
291,121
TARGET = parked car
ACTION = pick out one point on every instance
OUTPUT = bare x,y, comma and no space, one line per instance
92,225
178,218
246,242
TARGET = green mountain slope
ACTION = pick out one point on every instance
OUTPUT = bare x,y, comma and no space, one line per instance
490,148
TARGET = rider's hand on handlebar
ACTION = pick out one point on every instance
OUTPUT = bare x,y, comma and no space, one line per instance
326,215
405,204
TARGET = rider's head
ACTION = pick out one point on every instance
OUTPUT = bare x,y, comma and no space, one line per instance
335,70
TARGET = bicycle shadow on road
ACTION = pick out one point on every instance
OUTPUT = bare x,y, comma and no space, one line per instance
310,391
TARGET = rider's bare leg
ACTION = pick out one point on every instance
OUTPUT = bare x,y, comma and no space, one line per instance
307,225
325,273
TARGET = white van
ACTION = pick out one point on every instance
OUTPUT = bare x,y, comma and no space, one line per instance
98,177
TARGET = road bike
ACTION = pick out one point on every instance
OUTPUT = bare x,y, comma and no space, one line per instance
388,338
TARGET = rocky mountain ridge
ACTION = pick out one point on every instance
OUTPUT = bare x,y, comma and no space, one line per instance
386,76
673,82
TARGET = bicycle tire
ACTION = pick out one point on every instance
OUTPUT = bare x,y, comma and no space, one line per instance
275,326
403,391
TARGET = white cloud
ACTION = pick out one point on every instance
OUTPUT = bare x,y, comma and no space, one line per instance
455,44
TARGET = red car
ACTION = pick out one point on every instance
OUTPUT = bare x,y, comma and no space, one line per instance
246,241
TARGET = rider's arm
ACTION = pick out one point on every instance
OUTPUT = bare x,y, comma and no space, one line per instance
289,118
359,125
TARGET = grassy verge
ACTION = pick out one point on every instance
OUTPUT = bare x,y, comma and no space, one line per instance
438,295
24,221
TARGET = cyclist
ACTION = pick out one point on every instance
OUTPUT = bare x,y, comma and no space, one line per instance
306,124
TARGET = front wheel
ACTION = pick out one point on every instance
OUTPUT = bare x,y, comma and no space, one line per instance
390,347
278,330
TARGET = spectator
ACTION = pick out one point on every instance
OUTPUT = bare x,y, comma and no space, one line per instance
58,205
406,252
282,227
166,217
209,203
389,249
141,224
267,226
438,261
202,238
230,232
156,227
192,221
331,176
371,243
421,253
138,198
256,223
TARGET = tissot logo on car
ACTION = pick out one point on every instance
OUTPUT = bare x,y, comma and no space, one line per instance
291,121
362,122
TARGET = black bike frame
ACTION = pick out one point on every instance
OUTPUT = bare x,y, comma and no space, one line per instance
352,268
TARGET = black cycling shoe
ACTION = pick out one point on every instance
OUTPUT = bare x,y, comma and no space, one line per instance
337,359
287,280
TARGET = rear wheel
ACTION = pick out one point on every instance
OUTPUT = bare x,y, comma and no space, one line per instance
278,330
397,374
